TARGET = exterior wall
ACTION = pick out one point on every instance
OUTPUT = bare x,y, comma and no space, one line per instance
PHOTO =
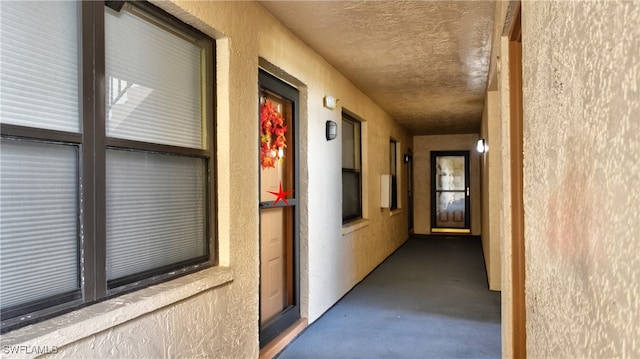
581,74
491,170
214,313
422,148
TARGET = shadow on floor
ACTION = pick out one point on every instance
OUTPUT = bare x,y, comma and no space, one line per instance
430,299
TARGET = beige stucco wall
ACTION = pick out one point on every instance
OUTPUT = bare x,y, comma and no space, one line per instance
422,148
214,313
581,64
491,180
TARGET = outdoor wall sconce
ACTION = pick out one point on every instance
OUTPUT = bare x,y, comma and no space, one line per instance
332,130
406,158
482,146
329,102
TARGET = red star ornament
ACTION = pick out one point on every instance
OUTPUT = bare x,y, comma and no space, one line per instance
281,195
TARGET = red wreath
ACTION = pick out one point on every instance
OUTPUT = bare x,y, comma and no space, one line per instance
272,139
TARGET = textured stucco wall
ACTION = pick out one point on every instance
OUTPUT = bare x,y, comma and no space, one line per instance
422,148
581,71
221,320
194,328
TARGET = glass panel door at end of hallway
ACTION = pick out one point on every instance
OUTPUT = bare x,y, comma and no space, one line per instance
450,192
278,207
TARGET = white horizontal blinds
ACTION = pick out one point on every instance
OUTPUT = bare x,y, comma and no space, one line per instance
155,211
39,81
153,83
38,221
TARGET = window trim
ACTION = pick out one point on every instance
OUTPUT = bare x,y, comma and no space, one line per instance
92,145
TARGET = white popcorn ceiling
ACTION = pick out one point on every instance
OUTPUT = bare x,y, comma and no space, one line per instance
424,62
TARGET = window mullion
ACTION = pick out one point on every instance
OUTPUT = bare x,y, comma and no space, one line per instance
100,151
93,229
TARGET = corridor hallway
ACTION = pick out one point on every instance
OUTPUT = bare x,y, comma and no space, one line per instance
429,299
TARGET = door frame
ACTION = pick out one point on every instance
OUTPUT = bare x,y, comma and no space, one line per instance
467,219
410,191
275,326
517,189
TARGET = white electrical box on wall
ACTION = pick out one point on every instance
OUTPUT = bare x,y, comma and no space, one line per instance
385,191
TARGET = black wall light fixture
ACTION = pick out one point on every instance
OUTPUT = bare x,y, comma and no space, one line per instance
332,130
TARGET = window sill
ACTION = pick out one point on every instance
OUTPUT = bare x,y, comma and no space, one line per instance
395,212
354,226
82,323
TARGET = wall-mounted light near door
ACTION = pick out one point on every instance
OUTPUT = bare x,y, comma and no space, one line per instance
330,102
482,146
332,130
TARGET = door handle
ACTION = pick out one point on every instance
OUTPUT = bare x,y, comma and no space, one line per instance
467,191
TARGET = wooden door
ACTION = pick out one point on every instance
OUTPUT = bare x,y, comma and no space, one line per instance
279,293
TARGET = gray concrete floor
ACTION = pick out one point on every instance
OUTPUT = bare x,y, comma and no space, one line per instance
430,299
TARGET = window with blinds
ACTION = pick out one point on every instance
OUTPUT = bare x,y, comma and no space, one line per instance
106,153
351,169
393,170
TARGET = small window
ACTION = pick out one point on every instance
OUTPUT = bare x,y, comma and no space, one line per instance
106,185
393,169
351,169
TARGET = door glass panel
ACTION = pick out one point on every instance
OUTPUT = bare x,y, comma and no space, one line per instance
450,209
450,173
276,147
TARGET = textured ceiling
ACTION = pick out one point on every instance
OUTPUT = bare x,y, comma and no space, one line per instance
424,62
